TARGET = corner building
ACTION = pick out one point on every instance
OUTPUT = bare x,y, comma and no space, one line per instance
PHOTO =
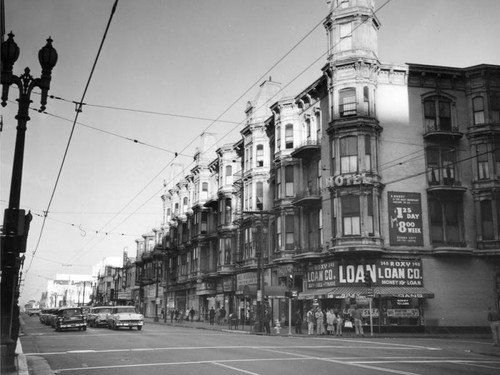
394,175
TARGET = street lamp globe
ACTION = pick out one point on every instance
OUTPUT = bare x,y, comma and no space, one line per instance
47,56
10,53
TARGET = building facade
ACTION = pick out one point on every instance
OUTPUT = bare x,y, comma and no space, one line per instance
376,185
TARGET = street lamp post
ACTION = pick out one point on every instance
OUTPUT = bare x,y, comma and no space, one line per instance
16,223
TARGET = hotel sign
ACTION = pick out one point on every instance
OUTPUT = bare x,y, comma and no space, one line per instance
348,180
405,219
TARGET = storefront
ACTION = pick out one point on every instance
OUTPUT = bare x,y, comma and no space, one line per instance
394,287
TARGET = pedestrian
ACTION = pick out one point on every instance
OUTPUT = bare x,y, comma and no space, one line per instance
163,313
191,313
358,324
330,321
297,318
340,322
222,315
176,315
172,313
319,321
217,316
212,315
181,315
494,321
310,321
266,319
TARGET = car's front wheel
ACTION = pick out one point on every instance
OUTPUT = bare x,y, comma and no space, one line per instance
84,328
139,328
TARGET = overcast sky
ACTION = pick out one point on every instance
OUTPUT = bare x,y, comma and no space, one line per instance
189,62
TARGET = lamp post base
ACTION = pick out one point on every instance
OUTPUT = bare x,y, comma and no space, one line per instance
8,355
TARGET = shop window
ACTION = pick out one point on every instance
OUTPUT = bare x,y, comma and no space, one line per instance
440,166
290,230
478,110
446,219
487,220
483,171
437,111
349,155
289,136
260,155
347,102
351,216
289,181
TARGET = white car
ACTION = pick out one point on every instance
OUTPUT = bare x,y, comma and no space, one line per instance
124,316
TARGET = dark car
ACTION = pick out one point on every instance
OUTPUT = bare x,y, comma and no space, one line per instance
70,317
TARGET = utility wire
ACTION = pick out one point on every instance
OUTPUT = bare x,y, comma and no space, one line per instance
71,136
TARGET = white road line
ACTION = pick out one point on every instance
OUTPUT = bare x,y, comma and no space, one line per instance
235,368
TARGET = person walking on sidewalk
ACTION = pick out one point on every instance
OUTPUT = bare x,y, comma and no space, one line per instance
310,321
298,322
212,315
494,321
358,326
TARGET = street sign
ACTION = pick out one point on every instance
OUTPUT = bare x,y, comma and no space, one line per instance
370,293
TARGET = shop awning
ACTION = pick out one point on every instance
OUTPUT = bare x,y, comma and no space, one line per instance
342,292
403,292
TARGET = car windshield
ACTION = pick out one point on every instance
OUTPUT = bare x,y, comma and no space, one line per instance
72,312
126,310
101,311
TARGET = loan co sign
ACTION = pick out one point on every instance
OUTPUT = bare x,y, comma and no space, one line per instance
382,272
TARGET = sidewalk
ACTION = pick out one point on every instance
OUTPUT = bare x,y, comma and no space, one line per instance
473,343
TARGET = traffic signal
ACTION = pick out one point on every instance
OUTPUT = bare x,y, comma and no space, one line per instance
290,281
367,279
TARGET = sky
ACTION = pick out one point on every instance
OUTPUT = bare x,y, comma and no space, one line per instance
167,70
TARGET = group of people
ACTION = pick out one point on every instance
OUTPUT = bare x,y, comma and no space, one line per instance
218,316
329,321
179,315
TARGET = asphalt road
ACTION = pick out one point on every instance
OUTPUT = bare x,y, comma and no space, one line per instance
162,349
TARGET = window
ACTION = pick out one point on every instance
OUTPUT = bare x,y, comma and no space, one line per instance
495,108
278,233
487,220
320,226
229,175
349,155
366,99
260,155
319,184
368,153
312,230
478,110
333,167
345,37
289,136
483,171
248,251
369,224
441,166
289,181
308,128
317,119
204,221
204,190
259,195
278,138
278,183
437,111
351,216
228,212
446,218
290,230
347,102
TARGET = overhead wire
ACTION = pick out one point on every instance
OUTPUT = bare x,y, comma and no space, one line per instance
113,10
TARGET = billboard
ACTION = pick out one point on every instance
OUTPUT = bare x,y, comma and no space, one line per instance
405,219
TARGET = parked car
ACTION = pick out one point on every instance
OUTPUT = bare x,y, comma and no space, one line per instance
32,312
70,317
125,316
98,316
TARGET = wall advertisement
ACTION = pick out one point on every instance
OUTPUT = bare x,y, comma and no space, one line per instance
383,272
405,219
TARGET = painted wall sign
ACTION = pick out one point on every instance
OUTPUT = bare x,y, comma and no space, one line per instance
405,219
402,272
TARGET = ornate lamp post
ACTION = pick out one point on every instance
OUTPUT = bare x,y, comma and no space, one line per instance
16,222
